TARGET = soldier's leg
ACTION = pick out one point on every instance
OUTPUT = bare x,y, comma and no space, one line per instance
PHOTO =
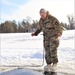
47,52
47,68
54,43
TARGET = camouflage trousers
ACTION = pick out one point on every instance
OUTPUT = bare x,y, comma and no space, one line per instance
51,46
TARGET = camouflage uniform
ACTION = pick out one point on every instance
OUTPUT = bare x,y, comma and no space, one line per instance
50,27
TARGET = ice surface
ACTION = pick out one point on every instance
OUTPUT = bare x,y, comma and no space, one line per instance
20,49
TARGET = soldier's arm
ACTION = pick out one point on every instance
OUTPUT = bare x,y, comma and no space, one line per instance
58,27
38,29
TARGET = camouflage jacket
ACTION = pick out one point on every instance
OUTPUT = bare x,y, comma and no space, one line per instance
50,26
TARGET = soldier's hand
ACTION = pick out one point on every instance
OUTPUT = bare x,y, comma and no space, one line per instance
58,34
33,34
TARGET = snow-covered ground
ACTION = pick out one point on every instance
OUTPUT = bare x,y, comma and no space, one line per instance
20,49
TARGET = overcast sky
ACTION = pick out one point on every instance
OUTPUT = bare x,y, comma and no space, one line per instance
20,9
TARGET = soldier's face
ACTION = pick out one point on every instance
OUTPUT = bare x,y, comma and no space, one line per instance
43,15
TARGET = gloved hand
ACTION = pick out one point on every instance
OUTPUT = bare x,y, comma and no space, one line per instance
33,34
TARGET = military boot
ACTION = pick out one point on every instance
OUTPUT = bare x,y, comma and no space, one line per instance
47,68
54,67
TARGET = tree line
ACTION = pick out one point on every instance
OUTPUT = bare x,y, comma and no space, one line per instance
26,26
20,27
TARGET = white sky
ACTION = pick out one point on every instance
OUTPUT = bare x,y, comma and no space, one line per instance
58,8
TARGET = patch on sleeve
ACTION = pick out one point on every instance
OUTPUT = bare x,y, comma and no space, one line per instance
56,22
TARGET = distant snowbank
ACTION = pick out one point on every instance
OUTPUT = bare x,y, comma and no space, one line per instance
68,34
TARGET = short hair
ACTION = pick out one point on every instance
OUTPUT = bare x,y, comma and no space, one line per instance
42,10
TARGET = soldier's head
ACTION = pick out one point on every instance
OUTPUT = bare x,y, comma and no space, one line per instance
43,13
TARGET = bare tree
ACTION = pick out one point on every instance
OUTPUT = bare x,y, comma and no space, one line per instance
71,20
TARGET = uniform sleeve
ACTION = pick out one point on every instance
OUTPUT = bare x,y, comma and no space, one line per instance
58,27
38,30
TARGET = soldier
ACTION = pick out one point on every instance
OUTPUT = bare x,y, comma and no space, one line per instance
52,30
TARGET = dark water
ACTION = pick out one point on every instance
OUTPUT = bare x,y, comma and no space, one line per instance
29,72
